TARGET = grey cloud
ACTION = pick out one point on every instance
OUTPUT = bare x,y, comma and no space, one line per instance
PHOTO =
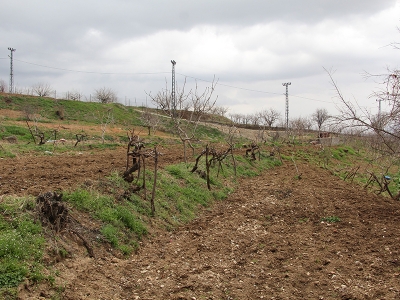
45,27
95,35
66,20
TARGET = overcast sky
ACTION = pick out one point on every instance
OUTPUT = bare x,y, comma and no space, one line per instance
250,46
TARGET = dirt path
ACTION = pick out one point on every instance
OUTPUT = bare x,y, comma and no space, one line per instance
266,241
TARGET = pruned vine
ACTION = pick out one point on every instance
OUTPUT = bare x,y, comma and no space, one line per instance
136,156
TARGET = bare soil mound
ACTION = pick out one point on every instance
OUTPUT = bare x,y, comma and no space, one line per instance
277,237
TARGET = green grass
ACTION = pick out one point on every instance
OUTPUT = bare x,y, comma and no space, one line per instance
25,142
343,152
111,233
328,157
121,221
14,130
178,171
209,133
6,152
130,221
72,110
354,163
345,158
21,244
249,168
182,193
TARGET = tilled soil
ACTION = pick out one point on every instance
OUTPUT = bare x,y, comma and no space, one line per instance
277,237
32,175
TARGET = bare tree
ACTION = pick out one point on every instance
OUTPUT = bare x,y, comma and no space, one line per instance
386,125
380,131
105,118
254,119
308,123
32,113
396,45
105,95
74,95
20,90
42,89
220,110
3,86
320,116
216,112
297,126
241,118
270,116
247,119
235,118
186,110
149,120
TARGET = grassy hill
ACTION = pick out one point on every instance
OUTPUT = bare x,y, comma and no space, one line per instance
57,118
68,110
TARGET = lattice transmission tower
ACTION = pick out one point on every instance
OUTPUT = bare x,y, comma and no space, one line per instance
11,87
173,88
286,84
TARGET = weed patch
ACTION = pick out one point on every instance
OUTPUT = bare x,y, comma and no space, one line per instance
331,219
121,222
21,244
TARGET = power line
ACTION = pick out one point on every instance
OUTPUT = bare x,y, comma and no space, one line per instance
312,99
231,86
252,90
155,73
88,72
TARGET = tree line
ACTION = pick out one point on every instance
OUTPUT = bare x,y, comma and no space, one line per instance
41,89
270,118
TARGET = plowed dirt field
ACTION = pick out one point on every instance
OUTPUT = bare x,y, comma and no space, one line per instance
276,237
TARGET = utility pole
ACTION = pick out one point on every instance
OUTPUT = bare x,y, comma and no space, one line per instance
173,88
11,87
286,84
379,111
